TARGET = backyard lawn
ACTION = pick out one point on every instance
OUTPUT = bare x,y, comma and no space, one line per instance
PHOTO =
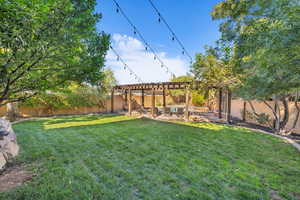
120,157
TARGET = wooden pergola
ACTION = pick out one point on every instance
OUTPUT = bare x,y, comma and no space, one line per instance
163,86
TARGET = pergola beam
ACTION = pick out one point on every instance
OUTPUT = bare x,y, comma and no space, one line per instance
162,86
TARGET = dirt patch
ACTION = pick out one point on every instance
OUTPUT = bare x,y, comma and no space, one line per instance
274,195
13,177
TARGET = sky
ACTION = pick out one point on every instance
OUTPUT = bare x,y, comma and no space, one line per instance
189,19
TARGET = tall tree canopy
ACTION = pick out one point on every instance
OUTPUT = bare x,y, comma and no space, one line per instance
265,38
44,44
214,68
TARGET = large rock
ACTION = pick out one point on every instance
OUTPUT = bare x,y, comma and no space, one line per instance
8,142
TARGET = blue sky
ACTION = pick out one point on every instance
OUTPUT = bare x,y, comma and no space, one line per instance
190,20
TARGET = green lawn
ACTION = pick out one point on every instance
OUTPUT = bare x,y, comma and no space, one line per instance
118,157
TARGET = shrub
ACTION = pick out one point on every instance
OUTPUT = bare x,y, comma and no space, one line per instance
198,99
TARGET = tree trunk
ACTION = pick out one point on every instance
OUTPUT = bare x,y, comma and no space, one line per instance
286,114
12,111
277,116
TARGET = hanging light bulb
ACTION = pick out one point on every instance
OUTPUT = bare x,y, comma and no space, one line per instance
134,31
173,38
162,65
183,52
118,58
124,67
159,20
146,48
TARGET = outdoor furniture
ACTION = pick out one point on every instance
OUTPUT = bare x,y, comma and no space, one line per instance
167,111
180,111
173,110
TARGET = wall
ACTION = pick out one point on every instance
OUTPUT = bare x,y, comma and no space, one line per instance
260,107
43,111
119,105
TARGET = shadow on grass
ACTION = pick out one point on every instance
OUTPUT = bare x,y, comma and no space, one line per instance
121,120
57,120
84,121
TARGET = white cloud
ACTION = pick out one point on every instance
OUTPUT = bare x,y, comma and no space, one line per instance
133,52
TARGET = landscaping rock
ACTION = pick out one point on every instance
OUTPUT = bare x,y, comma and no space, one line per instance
8,143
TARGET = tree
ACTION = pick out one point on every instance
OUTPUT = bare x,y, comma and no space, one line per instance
214,68
46,44
75,95
265,37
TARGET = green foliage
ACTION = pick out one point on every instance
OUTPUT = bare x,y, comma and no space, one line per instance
186,78
261,118
212,70
265,37
46,44
118,157
198,99
75,95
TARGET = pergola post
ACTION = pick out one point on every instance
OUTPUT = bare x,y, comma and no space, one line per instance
220,102
164,98
244,111
229,106
130,103
126,102
112,101
187,102
143,99
153,103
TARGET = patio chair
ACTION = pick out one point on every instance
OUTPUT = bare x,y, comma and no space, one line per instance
167,111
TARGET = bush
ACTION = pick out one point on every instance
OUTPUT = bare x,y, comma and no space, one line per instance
198,99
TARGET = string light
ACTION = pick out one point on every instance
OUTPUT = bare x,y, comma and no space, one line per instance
126,66
137,32
174,37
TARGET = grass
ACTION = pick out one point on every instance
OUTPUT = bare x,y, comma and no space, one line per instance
118,157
